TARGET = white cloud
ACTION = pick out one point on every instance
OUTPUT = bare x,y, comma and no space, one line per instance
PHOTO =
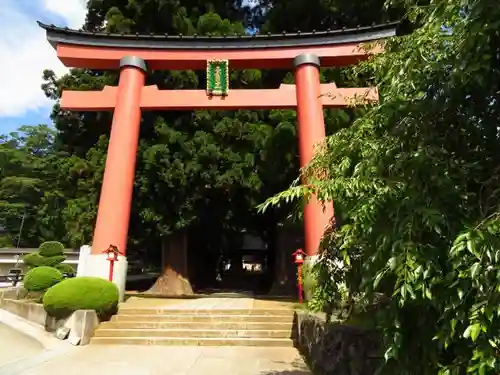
25,52
73,11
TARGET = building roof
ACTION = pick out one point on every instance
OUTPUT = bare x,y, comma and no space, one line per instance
57,35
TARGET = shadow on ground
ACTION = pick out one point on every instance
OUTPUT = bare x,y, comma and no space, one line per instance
297,367
286,372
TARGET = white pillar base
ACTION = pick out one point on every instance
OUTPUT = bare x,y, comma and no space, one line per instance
98,266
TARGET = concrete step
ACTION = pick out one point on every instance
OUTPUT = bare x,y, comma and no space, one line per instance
167,318
167,311
220,325
180,341
199,327
193,333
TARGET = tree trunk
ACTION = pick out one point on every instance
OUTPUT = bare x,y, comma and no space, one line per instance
174,279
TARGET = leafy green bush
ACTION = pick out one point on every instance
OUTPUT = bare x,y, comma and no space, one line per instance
66,269
82,293
51,249
308,280
417,215
42,278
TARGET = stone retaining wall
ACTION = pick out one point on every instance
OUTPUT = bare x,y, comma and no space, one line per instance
335,349
80,325
33,312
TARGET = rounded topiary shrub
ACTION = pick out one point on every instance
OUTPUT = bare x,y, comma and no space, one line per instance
41,278
33,260
51,249
82,293
66,269
53,261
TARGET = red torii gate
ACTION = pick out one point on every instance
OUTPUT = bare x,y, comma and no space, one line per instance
134,54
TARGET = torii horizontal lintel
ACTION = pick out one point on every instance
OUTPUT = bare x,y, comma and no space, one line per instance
182,100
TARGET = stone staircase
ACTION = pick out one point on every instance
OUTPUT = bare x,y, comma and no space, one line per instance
197,327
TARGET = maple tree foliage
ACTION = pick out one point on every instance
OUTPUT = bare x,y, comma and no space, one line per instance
415,185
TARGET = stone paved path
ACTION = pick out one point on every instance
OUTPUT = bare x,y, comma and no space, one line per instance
169,360
15,345
143,360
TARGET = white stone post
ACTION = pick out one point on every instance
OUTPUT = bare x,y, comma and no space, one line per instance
97,265
82,260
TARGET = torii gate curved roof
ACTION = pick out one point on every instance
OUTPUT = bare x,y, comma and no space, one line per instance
96,50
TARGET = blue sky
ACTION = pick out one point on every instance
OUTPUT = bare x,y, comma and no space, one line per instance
25,53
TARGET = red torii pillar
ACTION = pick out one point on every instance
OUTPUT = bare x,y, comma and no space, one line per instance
311,123
113,214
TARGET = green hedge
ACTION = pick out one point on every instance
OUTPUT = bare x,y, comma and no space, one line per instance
51,249
82,293
41,278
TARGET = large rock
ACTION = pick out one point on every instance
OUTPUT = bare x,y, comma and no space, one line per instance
336,349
